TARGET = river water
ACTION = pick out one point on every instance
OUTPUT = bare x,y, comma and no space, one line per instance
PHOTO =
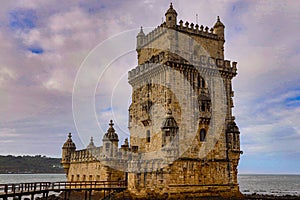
249,184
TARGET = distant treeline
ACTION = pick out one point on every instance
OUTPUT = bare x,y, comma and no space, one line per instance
30,164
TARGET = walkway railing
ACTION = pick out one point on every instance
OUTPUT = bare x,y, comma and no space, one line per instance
20,189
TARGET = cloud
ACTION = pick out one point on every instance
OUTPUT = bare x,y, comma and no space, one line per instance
43,45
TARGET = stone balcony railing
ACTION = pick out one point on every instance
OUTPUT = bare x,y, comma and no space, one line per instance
199,62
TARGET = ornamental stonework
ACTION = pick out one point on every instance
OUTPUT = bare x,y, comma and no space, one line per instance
184,141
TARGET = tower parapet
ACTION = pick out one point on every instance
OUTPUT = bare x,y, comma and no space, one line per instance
166,35
203,31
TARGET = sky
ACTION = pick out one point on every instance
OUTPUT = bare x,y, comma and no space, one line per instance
45,44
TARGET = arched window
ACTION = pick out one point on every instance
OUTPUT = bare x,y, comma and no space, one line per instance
200,82
202,135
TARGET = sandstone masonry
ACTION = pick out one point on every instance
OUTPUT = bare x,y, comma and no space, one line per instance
183,137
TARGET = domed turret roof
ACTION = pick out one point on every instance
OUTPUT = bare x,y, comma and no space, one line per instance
69,143
171,10
111,134
218,23
91,145
169,121
141,33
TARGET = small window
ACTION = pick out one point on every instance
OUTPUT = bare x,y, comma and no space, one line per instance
148,136
202,135
168,133
170,18
203,107
107,146
135,149
203,83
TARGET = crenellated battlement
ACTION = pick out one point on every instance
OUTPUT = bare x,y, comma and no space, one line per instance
85,155
196,29
190,28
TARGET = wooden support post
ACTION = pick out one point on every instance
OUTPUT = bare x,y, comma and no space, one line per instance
85,195
32,196
90,194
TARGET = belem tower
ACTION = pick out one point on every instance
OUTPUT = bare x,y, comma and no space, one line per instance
183,137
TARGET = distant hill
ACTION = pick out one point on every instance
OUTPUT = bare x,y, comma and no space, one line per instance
30,164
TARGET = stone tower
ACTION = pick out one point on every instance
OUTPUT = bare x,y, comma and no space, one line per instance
67,150
183,136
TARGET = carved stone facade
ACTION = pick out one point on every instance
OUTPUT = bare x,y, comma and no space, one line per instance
183,137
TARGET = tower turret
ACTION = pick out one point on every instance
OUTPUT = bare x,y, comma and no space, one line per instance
110,142
219,31
68,148
219,28
169,128
170,138
171,17
140,39
91,144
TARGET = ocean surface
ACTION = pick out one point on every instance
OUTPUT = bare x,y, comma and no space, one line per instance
27,178
260,184
278,185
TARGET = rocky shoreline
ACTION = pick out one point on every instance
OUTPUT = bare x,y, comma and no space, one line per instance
126,196
269,197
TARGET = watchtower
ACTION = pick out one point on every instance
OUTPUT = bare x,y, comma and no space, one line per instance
182,97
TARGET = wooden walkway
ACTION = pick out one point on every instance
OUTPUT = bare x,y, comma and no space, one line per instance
30,189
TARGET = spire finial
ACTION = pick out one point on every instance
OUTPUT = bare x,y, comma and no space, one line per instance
111,124
171,5
141,33
218,19
70,135
92,139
